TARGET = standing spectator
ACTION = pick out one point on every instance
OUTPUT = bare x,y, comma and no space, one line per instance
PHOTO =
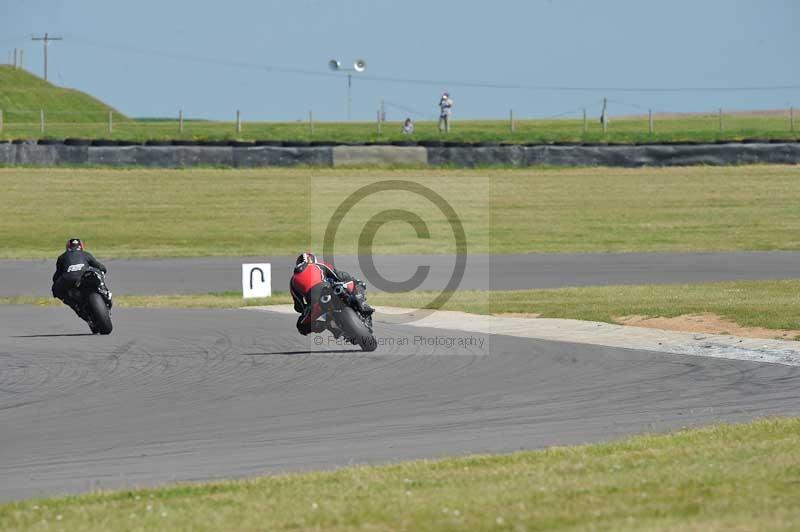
408,127
445,111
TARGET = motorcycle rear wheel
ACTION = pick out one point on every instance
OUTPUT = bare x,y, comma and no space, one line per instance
99,313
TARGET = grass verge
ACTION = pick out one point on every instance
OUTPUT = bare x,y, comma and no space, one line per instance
715,478
766,304
213,300
206,212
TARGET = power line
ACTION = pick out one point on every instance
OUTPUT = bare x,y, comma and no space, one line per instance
564,88
149,52
411,111
420,81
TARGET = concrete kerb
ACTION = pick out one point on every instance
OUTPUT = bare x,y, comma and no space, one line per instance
379,155
595,333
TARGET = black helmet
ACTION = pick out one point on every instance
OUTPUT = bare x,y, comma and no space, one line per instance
303,260
74,244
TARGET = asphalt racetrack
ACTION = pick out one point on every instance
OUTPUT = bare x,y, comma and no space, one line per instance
188,395
483,272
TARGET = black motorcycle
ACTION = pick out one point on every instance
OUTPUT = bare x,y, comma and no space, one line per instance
337,310
91,299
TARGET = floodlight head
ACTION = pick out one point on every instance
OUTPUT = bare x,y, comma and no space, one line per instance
334,65
360,65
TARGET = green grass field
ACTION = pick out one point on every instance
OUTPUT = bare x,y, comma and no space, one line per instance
213,212
767,304
725,477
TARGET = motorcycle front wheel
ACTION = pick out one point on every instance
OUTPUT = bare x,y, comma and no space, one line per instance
355,330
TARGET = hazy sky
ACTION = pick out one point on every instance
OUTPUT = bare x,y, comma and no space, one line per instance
151,58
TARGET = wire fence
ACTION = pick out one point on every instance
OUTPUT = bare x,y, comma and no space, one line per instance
633,122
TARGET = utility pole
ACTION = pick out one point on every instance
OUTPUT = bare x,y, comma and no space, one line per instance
45,40
604,117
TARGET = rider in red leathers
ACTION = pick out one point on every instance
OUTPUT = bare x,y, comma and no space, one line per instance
309,276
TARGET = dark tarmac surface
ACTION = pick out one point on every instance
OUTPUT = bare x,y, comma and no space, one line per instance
498,272
188,395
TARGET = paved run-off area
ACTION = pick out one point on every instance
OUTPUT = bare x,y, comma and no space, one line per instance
200,394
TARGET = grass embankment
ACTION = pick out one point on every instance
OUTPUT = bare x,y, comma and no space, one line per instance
23,95
726,477
765,304
163,213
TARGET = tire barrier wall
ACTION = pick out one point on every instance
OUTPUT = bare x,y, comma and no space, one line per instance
625,156
237,156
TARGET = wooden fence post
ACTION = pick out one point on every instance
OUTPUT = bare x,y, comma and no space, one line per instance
110,122
650,120
41,121
721,126
180,120
311,123
585,123
379,121
511,120
238,122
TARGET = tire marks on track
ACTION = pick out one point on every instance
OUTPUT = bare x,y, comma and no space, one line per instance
183,395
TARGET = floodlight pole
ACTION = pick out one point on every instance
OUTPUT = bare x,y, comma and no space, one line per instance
45,40
358,66
349,95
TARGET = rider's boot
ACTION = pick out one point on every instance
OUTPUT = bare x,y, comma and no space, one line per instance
361,302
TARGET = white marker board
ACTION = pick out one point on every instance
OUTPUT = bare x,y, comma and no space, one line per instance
256,280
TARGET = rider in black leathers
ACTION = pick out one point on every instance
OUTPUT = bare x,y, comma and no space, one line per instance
69,268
